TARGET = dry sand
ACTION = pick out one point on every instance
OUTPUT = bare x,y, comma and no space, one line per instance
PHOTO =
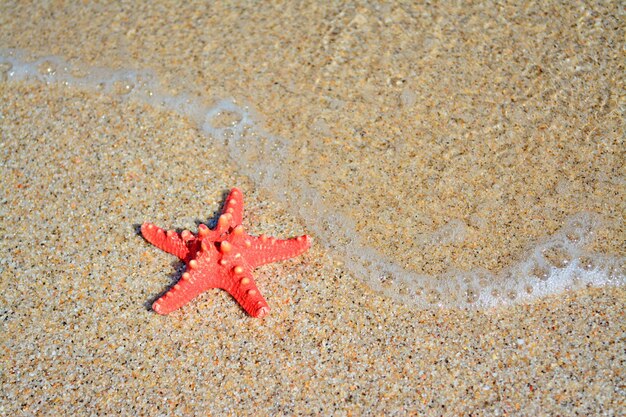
504,118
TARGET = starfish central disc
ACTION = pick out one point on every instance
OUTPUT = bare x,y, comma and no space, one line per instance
221,258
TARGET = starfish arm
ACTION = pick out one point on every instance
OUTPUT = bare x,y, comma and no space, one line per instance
169,241
264,250
234,207
232,214
243,288
193,282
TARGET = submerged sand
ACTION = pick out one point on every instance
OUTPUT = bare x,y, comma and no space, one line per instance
504,119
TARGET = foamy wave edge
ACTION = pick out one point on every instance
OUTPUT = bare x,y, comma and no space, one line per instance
556,264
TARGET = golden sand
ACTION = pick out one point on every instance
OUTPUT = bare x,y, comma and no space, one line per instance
407,118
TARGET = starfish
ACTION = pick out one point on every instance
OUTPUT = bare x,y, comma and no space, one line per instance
221,258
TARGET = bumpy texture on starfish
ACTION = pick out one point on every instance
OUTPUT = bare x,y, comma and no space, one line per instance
221,258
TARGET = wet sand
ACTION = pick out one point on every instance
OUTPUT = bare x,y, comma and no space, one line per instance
405,119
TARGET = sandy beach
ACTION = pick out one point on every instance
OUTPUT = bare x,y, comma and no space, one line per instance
459,168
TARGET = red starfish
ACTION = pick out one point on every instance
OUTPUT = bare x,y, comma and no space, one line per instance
221,258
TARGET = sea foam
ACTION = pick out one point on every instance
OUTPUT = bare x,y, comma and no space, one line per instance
555,264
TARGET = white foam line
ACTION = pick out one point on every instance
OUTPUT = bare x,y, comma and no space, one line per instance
264,158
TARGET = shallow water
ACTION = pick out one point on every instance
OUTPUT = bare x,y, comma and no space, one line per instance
424,219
